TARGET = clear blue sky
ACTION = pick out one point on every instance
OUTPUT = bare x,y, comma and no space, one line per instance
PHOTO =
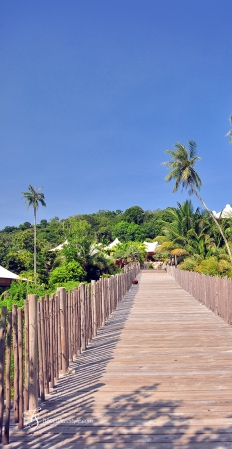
93,91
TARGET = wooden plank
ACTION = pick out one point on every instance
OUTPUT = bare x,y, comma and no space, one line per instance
157,375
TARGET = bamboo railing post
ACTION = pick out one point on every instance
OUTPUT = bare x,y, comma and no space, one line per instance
109,296
75,321
64,337
43,350
78,324
97,305
86,316
90,314
33,353
2,365
69,327
51,330
20,351
8,386
16,361
26,345
47,337
72,318
93,295
99,302
59,335
41,359
83,317
56,356
103,301
117,289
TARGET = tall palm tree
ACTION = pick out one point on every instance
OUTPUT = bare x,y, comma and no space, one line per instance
182,165
33,197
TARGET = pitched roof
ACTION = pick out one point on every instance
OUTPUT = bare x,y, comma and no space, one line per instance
6,274
150,246
114,243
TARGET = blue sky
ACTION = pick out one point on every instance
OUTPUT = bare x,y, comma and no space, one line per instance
93,91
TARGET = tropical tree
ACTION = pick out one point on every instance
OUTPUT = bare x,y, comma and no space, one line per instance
82,248
183,173
129,252
181,220
134,214
34,197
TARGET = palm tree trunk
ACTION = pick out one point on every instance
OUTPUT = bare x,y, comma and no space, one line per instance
214,219
35,245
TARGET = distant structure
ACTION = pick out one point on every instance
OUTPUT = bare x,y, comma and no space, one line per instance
150,248
113,244
6,277
59,247
225,213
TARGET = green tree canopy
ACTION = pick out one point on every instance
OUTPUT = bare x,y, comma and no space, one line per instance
134,214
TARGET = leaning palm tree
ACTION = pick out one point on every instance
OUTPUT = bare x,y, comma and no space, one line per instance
33,197
182,165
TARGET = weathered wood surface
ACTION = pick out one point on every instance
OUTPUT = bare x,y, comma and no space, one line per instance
157,375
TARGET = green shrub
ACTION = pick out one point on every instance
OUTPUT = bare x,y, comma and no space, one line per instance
68,271
209,266
188,264
70,285
225,268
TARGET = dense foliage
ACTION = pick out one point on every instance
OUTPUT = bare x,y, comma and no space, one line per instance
186,236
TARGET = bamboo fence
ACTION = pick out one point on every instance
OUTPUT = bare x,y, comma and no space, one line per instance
46,336
212,291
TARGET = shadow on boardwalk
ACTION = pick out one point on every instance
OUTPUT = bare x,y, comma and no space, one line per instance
132,419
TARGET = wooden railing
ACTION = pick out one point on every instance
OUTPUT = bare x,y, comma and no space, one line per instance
38,343
212,291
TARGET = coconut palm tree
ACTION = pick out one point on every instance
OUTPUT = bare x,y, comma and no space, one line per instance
181,220
183,173
33,197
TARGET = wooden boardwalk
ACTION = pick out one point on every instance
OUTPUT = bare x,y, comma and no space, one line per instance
158,375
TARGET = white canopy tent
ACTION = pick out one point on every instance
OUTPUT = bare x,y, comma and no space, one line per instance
6,277
59,247
6,274
113,244
150,246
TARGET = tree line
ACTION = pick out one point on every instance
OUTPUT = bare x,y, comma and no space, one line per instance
194,239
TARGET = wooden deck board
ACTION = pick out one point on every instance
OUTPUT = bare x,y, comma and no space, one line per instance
158,375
